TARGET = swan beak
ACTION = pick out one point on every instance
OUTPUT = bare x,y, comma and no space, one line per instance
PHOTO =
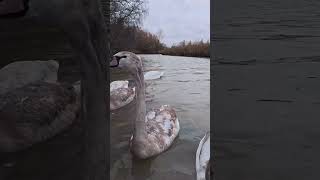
114,62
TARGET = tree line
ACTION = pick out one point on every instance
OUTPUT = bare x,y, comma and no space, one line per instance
127,34
193,49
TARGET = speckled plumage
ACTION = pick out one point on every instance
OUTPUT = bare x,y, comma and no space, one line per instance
162,127
120,94
156,130
34,113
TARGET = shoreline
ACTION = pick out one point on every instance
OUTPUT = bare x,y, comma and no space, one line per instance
204,57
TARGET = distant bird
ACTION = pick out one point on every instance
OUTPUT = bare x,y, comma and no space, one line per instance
152,75
155,131
203,158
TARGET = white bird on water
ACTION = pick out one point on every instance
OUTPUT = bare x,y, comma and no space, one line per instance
203,158
152,75
122,94
155,131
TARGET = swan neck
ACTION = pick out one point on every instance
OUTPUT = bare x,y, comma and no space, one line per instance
140,125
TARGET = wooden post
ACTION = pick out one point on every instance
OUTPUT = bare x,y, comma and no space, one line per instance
95,99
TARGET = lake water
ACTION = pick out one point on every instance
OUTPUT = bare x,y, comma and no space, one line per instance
266,88
185,86
266,31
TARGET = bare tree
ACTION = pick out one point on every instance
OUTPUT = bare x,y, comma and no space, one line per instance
125,15
160,34
127,12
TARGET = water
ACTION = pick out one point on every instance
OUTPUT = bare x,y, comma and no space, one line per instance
266,88
185,86
266,31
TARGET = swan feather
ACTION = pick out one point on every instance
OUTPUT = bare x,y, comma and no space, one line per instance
121,94
114,85
203,157
162,127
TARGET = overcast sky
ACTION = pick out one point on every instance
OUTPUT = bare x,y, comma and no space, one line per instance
179,19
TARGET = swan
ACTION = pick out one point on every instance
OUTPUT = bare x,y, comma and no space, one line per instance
203,158
20,73
33,105
121,94
36,112
155,131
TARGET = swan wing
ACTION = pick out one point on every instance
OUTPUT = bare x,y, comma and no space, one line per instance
162,127
114,85
203,157
120,97
34,113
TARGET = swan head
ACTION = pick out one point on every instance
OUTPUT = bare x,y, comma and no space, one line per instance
127,61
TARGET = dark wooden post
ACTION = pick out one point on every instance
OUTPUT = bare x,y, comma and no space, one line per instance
95,99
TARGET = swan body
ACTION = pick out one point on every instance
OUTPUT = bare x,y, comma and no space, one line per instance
203,158
20,73
162,127
121,94
152,75
155,131
34,113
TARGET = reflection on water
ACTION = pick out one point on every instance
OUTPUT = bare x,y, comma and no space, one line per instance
184,86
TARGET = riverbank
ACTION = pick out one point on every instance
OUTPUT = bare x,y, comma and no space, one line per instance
175,55
186,55
190,49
